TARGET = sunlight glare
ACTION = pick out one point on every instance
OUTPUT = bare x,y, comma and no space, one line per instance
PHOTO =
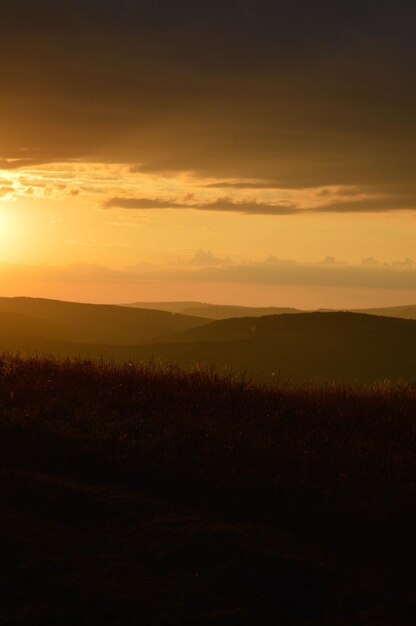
6,230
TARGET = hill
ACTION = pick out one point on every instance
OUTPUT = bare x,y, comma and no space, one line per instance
213,311
307,346
223,311
318,347
406,312
315,324
87,323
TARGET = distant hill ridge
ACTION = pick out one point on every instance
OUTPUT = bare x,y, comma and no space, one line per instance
213,311
225,311
404,312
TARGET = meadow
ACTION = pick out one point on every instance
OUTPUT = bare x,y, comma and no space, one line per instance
156,495
330,457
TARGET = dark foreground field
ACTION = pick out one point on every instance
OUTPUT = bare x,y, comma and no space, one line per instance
140,496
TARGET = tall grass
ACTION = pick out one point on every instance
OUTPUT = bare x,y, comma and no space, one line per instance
315,455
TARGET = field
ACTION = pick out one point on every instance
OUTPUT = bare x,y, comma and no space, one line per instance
159,496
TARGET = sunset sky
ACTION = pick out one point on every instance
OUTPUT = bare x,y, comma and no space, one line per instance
241,151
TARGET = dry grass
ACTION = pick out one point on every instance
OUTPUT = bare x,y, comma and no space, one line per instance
331,457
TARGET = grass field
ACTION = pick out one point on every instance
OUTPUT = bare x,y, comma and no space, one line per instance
333,468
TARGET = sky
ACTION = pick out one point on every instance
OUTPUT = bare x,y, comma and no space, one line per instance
242,151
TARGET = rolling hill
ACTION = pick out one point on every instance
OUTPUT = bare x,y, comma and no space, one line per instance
87,323
320,325
212,311
405,312
224,311
317,346
348,347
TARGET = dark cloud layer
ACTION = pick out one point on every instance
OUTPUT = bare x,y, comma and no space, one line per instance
300,93
221,204
379,204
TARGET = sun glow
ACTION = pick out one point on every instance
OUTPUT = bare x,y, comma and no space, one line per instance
7,232
5,224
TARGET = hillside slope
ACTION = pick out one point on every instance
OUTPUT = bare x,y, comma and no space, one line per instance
309,325
307,346
88,323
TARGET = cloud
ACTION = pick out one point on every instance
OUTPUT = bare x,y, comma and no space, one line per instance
244,184
370,262
304,94
18,163
272,259
246,206
405,264
393,276
369,205
348,204
144,203
328,260
5,190
273,272
206,258
220,204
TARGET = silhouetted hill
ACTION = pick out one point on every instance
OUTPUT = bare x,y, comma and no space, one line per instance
87,323
171,307
213,311
307,346
337,346
318,324
223,311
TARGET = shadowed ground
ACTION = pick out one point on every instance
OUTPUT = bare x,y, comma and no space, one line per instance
160,497
87,553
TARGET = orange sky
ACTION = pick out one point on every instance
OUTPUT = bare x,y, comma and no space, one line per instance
139,162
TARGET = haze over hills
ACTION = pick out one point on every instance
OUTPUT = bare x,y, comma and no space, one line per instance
224,311
213,311
318,346
405,312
